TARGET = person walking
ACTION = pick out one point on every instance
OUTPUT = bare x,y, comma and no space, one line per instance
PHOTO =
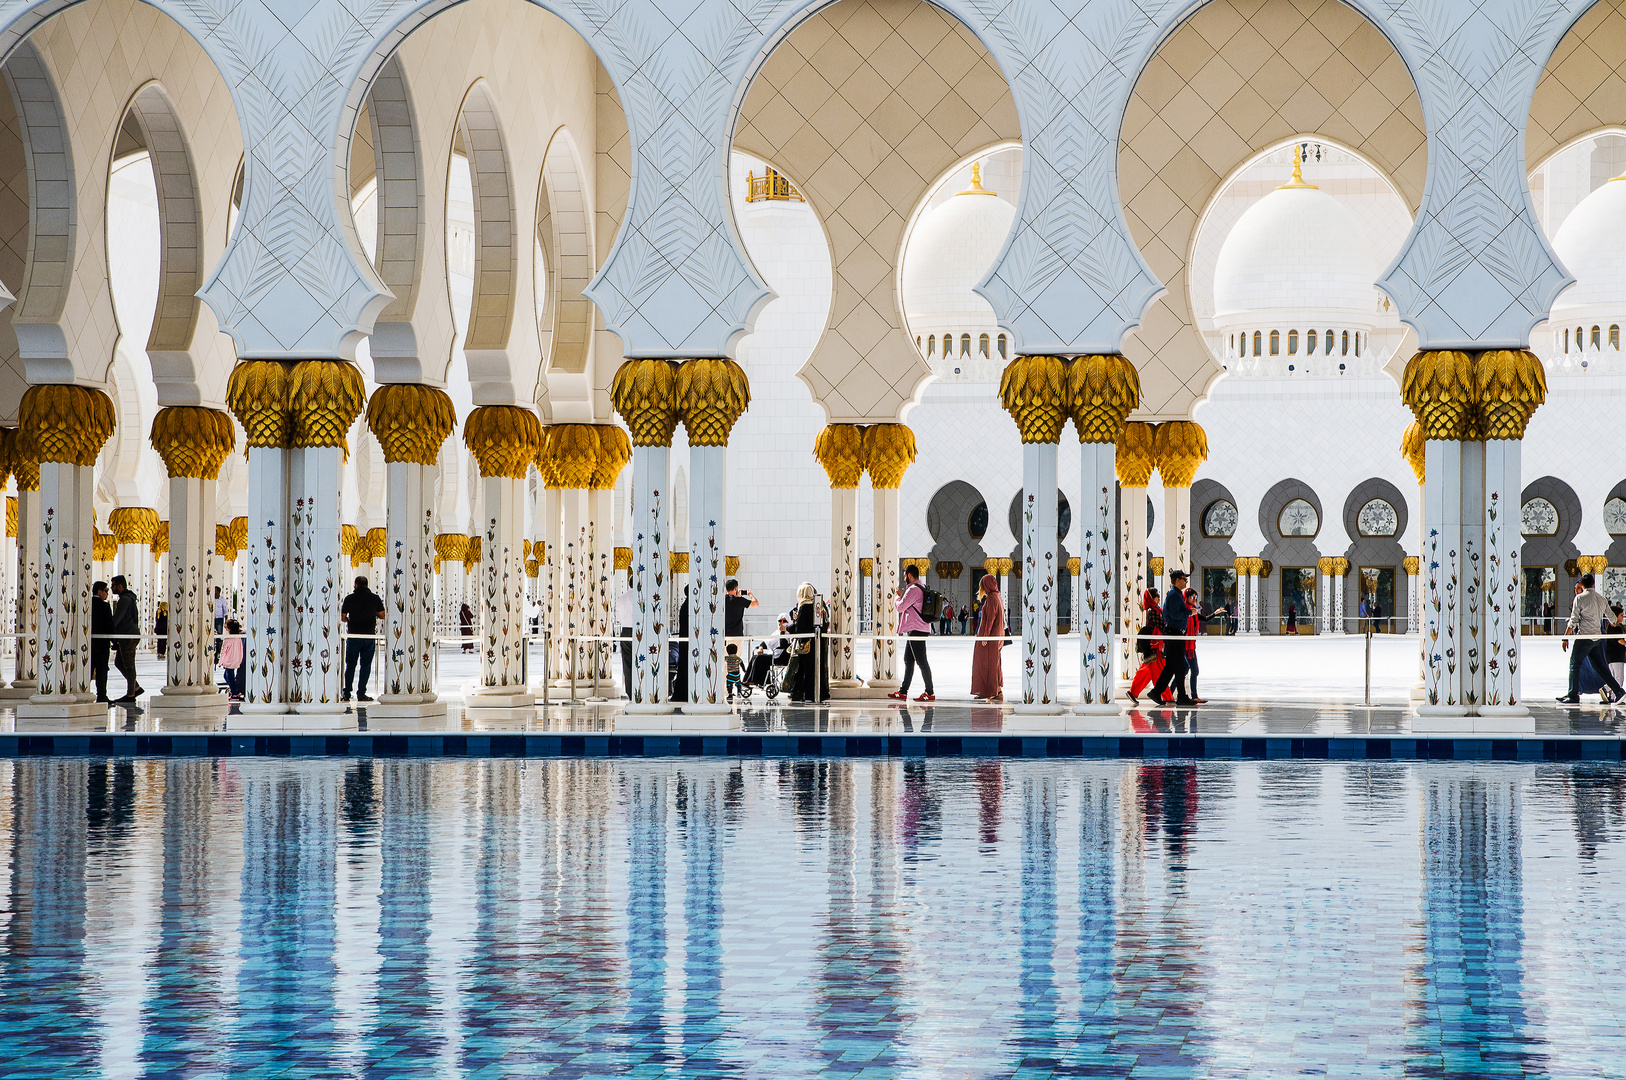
101,625
231,660
465,625
910,603
799,672
965,616
1148,645
222,609
987,657
1193,622
160,630
360,614
126,629
1589,611
1176,614
1292,619
945,618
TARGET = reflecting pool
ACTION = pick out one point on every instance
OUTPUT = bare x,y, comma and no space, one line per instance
809,917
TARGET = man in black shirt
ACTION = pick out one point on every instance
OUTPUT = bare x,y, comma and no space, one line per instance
126,625
734,607
101,624
360,614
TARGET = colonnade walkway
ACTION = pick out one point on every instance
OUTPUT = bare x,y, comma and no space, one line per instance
1264,691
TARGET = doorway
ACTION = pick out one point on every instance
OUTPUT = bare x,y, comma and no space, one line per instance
1378,596
1298,600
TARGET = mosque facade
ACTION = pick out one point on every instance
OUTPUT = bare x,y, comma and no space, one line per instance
511,305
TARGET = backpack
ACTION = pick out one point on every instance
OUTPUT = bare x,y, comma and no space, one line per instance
931,604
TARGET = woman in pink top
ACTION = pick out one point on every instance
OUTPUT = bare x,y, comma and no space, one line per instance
912,624
231,659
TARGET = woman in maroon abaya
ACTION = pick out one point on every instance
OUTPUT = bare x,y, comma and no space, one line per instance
987,667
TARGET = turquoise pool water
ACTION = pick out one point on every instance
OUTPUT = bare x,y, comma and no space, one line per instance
809,917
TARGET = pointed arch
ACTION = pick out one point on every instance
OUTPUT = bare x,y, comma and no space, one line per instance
53,216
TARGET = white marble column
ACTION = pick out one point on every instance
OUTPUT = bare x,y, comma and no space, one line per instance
651,573
318,581
1252,626
502,596
575,591
26,616
708,544
552,533
1503,538
1325,577
1039,576
11,581
1340,581
65,687
1471,635
404,669
1176,529
1413,596
1443,571
605,656
189,684
844,586
1096,599
1133,572
885,613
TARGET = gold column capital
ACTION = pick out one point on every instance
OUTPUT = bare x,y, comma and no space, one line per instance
623,558
1256,565
1157,566
1438,387
1102,390
1592,564
257,394
103,547
1340,565
533,568
349,535
1414,448
731,565
472,553
65,424
645,396
712,393
889,450
1074,565
1325,565
678,562
1509,386
1137,454
447,545
324,399
840,449
1240,565
160,539
866,567
239,532
614,451
133,524
572,452
1181,447
1412,564
11,516
1033,389
223,545
411,421
504,439
193,441
378,542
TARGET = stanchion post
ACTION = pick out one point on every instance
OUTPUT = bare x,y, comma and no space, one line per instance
1369,664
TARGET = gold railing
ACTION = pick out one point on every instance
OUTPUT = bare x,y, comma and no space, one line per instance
770,185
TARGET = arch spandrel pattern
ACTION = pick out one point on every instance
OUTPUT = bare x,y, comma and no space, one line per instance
866,104
1583,86
1262,73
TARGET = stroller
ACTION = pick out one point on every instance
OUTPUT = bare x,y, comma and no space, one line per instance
766,672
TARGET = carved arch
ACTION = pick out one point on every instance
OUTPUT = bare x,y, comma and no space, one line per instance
53,216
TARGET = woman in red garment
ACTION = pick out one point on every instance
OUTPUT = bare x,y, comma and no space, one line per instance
987,667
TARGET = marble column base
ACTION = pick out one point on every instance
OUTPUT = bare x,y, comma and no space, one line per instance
485,697
18,692
1024,709
1110,708
188,706
706,708
291,721
63,709
385,709
647,708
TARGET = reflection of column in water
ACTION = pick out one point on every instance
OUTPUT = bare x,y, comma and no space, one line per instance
1098,816
1473,916
646,799
406,874
285,979
1036,1030
701,819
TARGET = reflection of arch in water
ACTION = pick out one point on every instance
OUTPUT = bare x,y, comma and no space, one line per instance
948,519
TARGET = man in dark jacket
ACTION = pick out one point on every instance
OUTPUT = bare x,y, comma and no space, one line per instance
1175,613
126,626
360,614
101,624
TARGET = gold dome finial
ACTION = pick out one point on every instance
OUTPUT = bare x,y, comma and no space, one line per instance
976,187
1298,173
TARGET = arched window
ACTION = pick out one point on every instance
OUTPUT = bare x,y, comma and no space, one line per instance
931,345
1275,343
1580,339
1232,343
1346,343
1002,346
1298,518
1614,336
1566,339
1614,516
1220,519
1539,518
1597,338
1378,518
1357,343
1256,343
1292,342
965,344
1309,345
982,345
917,341
1326,350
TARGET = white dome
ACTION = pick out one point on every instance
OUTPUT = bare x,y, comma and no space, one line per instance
1589,246
951,250
1296,252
